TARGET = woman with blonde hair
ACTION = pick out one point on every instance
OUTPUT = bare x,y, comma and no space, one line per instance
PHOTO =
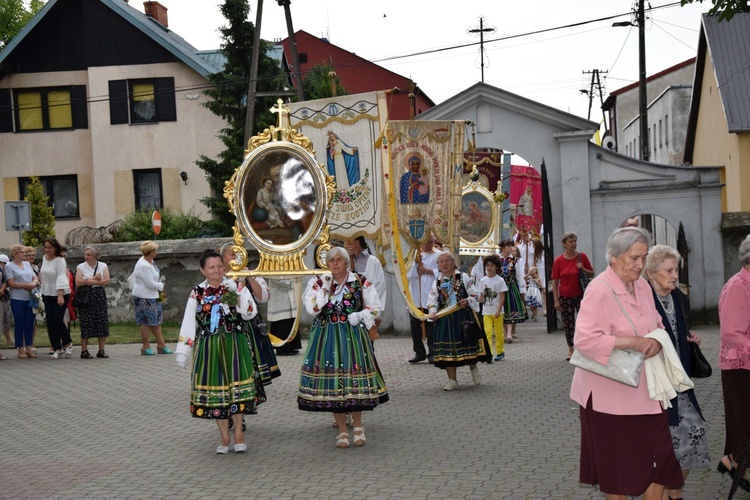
148,294
22,280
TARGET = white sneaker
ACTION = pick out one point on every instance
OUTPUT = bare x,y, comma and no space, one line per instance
240,447
475,376
451,385
222,450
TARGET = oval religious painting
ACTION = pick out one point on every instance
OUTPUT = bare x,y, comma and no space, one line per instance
476,217
280,197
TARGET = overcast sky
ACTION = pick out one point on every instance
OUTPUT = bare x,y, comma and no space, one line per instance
544,67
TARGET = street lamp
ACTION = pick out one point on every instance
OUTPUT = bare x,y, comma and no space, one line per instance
643,104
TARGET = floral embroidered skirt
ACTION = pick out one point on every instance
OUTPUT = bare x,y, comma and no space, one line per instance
533,297
339,373
225,378
447,348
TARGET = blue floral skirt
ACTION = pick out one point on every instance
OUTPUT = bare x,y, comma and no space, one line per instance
148,312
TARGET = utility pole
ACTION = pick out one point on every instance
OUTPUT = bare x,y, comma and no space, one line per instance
293,45
253,83
643,115
642,98
595,80
481,30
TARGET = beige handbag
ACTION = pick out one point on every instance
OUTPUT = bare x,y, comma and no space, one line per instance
623,365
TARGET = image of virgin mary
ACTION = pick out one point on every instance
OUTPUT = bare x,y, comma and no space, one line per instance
342,161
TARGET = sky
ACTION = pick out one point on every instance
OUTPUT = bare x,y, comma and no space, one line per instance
546,67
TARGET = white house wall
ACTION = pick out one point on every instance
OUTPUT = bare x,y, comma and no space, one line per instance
41,153
103,156
171,146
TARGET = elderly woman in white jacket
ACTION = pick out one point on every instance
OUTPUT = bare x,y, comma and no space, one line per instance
215,337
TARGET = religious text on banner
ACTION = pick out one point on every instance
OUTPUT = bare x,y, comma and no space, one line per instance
426,162
424,167
343,131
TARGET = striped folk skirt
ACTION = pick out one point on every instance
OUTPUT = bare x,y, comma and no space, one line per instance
225,378
339,373
447,348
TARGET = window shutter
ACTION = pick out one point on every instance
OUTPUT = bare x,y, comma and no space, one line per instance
6,111
79,106
166,107
118,101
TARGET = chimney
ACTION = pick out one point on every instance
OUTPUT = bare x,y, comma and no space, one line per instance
156,11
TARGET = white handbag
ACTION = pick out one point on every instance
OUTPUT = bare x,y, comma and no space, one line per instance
623,365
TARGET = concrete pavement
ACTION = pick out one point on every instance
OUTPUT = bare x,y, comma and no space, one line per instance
120,428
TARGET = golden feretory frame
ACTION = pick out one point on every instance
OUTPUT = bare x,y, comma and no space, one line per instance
280,197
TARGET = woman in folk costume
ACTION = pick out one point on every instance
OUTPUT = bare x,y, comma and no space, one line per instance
215,336
512,272
339,373
265,358
453,288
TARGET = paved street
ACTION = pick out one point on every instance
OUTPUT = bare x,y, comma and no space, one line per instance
120,428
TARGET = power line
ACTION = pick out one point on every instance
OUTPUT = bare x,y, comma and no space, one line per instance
392,58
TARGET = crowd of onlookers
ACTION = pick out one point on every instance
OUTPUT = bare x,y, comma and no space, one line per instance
32,291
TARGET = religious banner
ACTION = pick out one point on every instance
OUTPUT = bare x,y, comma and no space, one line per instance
423,163
526,194
343,131
426,168
489,165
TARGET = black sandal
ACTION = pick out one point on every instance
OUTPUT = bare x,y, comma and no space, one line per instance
86,355
102,354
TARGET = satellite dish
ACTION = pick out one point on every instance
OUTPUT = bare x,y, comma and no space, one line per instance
609,142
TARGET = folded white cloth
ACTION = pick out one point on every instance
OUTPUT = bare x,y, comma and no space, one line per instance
355,318
665,375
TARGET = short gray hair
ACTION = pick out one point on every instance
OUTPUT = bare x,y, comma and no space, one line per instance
745,251
657,255
94,250
341,251
622,239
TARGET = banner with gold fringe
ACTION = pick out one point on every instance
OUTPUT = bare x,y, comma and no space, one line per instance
423,164
343,131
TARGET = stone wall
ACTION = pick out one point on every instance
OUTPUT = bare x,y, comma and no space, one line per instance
178,262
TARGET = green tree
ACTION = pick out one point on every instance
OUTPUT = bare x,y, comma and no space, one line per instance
14,14
229,101
317,84
42,216
724,10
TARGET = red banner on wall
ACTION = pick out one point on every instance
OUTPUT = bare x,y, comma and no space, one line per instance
526,193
